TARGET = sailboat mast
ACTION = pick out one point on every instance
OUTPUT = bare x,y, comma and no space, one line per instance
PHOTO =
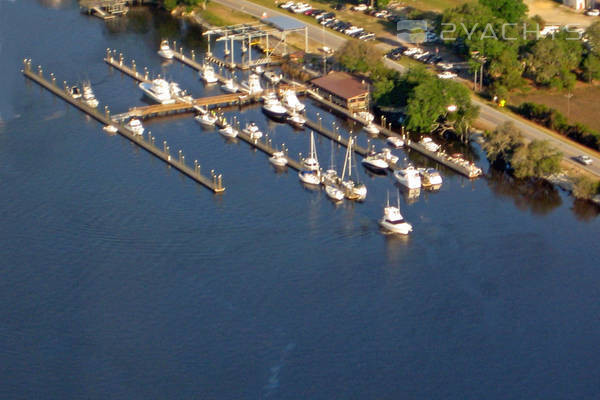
346,160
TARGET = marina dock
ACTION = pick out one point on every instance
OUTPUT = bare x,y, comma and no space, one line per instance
147,143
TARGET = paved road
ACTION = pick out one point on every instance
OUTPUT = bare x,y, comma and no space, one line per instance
488,115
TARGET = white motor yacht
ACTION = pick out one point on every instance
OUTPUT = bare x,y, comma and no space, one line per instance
252,85
252,130
165,50
408,177
274,109
158,90
296,120
278,159
259,69
207,74
371,129
88,95
110,129
290,100
272,77
229,131
393,221
367,116
230,86
430,177
135,125
207,119
395,141
429,144
375,162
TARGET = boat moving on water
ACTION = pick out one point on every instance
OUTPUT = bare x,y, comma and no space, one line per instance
393,221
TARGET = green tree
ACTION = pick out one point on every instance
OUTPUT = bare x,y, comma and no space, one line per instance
507,69
508,10
591,67
357,56
585,188
593,35
501,143
551,61
537,159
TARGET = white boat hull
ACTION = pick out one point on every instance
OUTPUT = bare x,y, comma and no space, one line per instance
309,177
411,182
145,87
403,228
334,193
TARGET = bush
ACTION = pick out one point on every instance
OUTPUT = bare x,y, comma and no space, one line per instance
585,188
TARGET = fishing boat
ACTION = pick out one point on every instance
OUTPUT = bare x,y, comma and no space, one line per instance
252,85
207,74
395,141
110,129
259,69
88,95
408,177
353,189
135,126
274,109
229,131
278,159
311,174
230,86
207,119
158,90
366,116
272,77
430,178
290,100
252,130
375,162
393,221
165,50
387,155
372,129
296,120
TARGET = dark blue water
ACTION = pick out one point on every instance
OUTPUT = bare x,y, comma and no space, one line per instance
122,279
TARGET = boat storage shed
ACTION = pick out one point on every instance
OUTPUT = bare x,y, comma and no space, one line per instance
287,25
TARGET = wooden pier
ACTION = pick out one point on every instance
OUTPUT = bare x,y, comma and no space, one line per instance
265,147
214,184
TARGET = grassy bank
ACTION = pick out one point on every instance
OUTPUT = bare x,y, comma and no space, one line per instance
216,14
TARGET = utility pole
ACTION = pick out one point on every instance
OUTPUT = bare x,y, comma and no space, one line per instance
568,96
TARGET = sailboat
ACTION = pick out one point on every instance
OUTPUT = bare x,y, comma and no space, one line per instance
331,181
311,173
392,219
354,190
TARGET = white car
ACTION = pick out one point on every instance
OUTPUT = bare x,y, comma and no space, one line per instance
445,66
594,12
287,5
360,7
585,160
447,75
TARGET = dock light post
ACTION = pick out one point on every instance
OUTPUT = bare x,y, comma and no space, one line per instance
193,55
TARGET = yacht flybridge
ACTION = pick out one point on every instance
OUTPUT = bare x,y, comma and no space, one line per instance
207,74
290,100
252,85
408,177
135,125
158,90
253,131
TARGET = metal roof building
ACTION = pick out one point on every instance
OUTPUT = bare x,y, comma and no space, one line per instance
284,23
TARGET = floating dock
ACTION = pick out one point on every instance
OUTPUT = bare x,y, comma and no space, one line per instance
214,183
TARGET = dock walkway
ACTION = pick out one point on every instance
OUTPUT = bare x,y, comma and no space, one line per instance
214,184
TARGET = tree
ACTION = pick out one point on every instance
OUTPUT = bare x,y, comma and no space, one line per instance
509,10
501,143
593,35
551,61
537,159
591,67
585,188
507,69
357,56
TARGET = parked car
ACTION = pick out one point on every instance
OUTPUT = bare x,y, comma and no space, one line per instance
360,7
367,36
339,6
585,160
447,75
287,5
593,12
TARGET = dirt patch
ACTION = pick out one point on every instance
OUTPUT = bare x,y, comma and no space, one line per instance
554,12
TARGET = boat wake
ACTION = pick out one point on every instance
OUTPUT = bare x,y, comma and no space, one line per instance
273,381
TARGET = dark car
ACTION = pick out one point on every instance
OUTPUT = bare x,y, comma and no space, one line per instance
339,6
316,13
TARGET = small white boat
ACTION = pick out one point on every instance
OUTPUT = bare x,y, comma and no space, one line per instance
372,129
393,221
367,116
430,177
259,69
230,86
408,177
278,159
296,120
206,119
207,74
429,144
376,163
75,92
229,131
272,77
395,141
387,155
158,90
290,100
110,129
88,95
165,50
334,192
135,125
252,85
252,130
310,177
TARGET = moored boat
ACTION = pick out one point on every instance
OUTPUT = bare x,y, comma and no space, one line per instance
135,126
395,141
207,74
430,178
252,130
165,50
229,131
278,159
408,177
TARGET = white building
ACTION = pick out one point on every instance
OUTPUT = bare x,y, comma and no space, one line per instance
580,4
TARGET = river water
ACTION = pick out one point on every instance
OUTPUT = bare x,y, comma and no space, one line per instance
122,279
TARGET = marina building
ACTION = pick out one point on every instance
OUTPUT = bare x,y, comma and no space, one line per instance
344,89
